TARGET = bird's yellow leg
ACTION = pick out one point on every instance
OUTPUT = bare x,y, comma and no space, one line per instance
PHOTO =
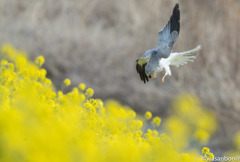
163,78
155,75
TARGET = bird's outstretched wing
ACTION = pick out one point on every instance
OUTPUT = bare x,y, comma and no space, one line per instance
169,34
140,66
177,59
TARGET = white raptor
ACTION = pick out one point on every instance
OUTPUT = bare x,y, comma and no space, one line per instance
156,60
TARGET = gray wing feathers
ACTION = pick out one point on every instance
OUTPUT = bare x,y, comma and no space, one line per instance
169,34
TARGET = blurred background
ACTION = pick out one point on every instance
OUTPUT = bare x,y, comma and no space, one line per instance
97,42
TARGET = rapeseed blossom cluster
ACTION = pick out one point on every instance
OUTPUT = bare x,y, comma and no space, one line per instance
67,82
207,155
190,123
38,123
148,115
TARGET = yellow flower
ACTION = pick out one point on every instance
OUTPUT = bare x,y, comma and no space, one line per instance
82,86
156,121
202,136
148,115
186,157
82,128
138,133
148,133
82,97
165,138
10,66
42,73
136,124
21,62
67,82
155,132
39,61
47,81
89,92
205,150
211,155
4,62
139,123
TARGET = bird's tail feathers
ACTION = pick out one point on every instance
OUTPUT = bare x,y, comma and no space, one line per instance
177,59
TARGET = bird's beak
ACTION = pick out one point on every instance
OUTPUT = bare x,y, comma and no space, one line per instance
163,78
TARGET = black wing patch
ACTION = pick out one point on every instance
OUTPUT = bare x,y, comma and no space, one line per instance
141,71
175,19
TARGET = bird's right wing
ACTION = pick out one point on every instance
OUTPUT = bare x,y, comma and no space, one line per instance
177,59
169,34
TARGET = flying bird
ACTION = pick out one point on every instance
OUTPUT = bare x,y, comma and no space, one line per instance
160,58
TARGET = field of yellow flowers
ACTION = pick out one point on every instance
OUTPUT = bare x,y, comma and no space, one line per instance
38,123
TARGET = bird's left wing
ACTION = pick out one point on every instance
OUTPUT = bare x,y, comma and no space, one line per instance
177,59
140,66
169,34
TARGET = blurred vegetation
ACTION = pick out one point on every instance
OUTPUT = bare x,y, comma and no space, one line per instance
38,123
98,41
